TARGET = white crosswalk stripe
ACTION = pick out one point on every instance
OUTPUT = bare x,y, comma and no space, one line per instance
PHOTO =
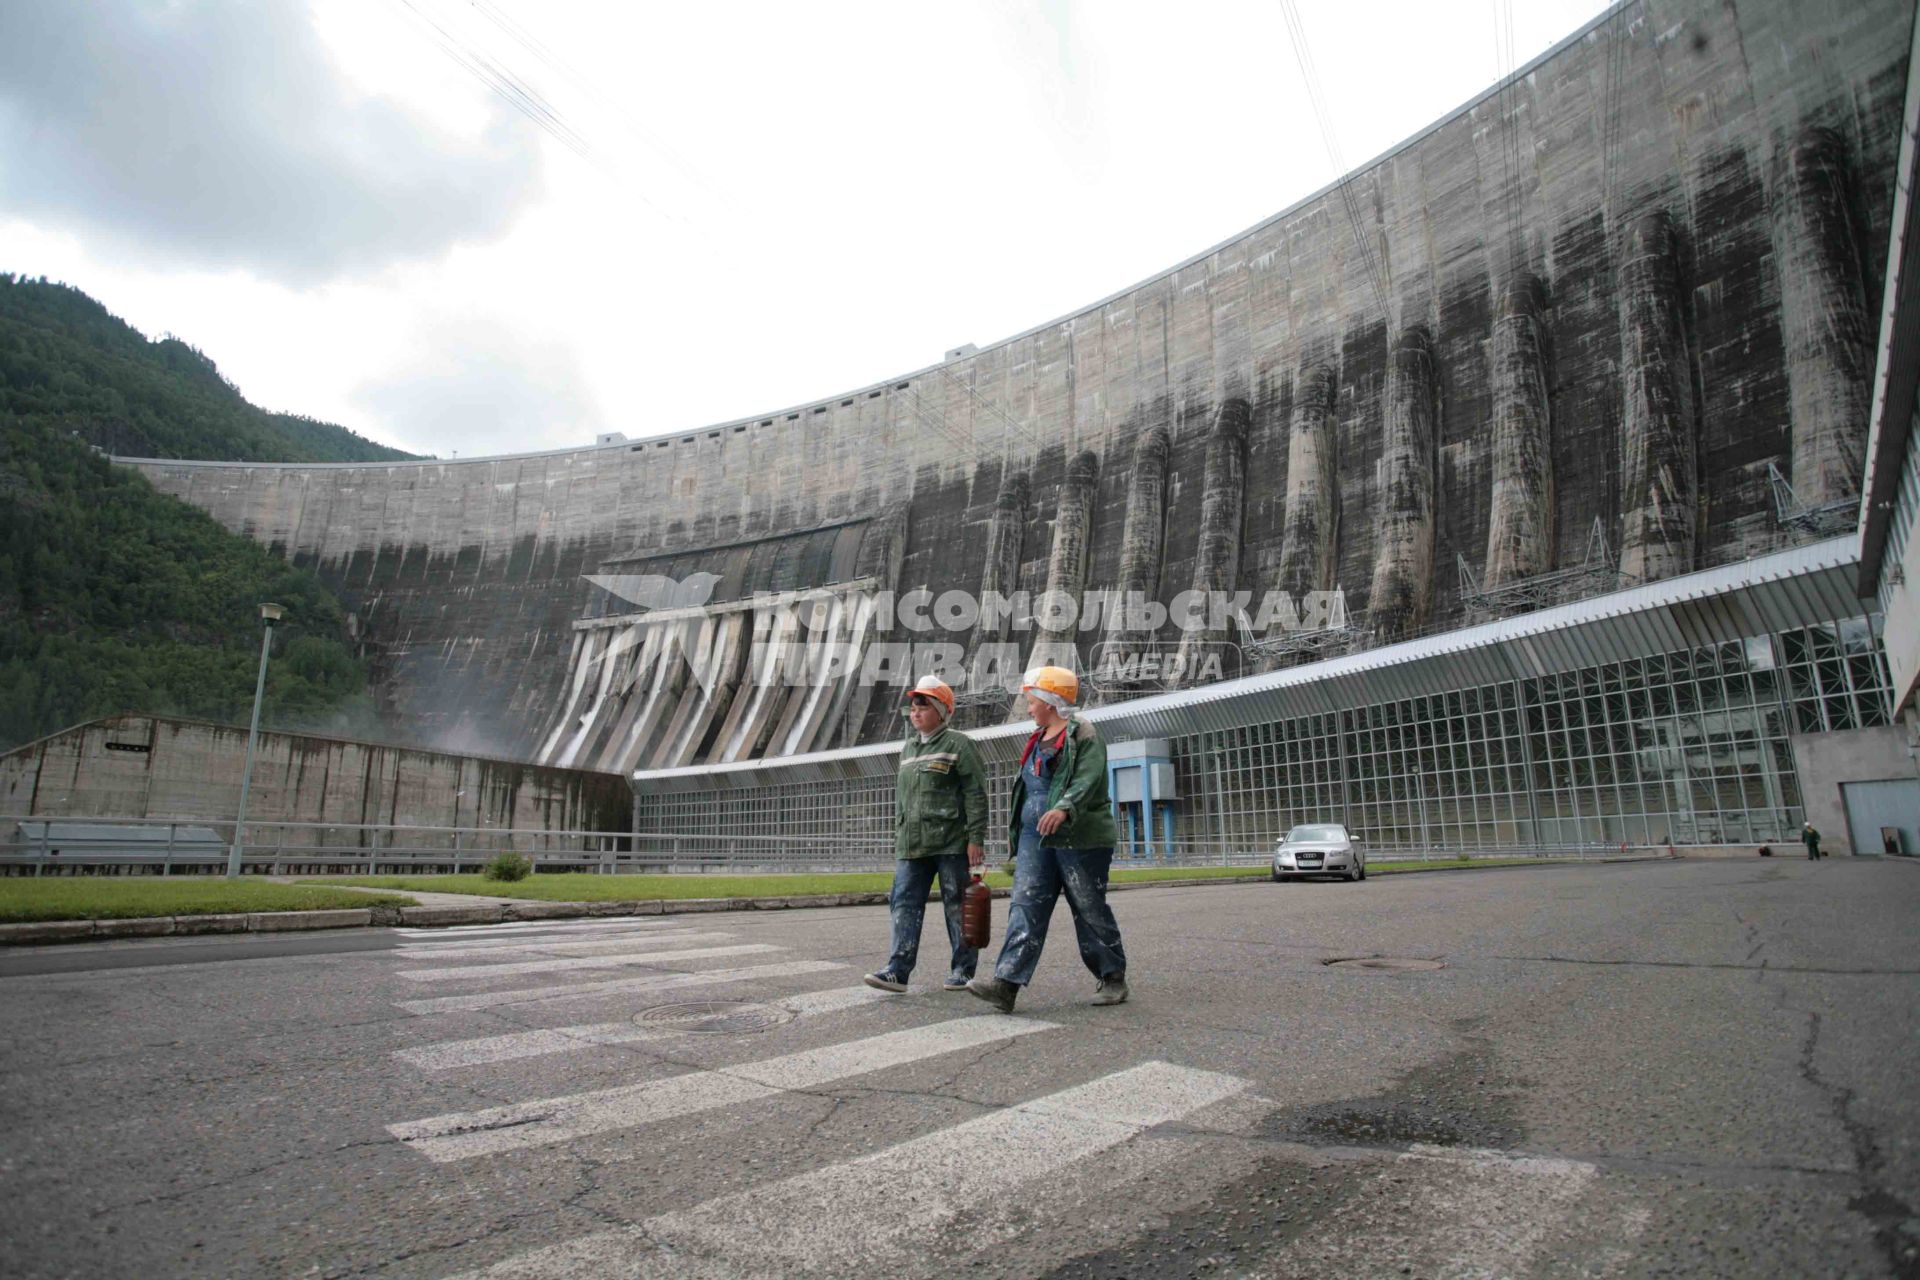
855,1216
489,971
545,937
551,1040
526,926
465,1134
919,1207
759,974
597,947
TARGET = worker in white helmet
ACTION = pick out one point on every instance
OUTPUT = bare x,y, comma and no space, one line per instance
940,828
1061,828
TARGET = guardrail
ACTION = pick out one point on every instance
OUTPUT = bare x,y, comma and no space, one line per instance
39,844
35,845
706,851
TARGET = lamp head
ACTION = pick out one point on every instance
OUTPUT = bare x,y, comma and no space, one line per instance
272,613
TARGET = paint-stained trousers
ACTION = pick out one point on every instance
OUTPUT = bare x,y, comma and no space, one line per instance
912,878
1040,875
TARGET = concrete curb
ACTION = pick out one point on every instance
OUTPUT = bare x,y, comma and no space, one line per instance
483,913
40,931
46,931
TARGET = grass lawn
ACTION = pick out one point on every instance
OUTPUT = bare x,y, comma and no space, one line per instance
25,898
579,886
1441,864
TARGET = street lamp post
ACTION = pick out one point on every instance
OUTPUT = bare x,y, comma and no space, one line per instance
269,614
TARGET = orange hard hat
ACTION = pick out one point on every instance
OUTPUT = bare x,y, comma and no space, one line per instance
1054,685
935,688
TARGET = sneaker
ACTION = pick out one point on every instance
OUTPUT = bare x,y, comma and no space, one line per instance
1111,991
995,991
955,982
886,980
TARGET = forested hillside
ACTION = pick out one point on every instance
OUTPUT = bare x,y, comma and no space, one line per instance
114,597
66,362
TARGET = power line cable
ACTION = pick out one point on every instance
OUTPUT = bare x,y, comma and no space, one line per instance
1349,197
523,98
588,89
1613,92
1297,34
995,409
503,83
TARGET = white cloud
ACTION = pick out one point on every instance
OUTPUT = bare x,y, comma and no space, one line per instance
476,386
217,135
777,202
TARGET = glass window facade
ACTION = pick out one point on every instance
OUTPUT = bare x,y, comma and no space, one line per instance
1691,747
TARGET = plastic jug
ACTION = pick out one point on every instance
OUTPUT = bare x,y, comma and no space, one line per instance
976,913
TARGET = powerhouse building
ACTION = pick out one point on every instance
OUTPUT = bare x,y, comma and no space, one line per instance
1560,413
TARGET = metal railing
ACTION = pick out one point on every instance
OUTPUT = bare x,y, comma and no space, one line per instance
35,845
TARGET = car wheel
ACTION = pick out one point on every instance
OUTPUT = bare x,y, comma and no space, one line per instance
1276,877
1353,873
1363,872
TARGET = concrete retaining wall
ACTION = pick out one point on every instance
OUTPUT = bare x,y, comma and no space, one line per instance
155,767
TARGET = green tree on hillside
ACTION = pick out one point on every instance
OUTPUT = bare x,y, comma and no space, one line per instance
67,362
115,597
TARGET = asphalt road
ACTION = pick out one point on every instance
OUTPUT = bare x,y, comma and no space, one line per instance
1672,1068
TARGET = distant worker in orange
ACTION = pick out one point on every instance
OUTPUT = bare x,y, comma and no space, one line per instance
1063,834
940,828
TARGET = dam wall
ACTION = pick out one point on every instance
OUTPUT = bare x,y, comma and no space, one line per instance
1729,166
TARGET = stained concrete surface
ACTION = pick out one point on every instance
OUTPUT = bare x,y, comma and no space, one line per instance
1688,1068
1767,132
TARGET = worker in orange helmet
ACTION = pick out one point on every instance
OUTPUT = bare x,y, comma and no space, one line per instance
1062,832
940,828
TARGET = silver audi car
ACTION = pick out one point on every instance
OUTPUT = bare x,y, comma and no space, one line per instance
1319,849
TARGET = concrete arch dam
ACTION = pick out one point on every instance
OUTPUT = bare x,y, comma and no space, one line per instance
1627,294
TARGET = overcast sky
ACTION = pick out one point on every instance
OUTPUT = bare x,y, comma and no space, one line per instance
733,208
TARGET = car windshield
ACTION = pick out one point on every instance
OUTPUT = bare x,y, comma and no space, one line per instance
1317,833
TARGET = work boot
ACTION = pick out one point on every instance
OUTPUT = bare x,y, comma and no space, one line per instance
1111,991
995,991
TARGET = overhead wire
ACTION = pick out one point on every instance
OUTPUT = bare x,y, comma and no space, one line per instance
504,84
535,107
1612,94
995,409
1350,203
588,89
1511,161
522,97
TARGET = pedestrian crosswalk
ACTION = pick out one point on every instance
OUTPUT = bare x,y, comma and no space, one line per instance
551,1040
463,1135
742,975
638,953
808,1223
894,1181
831,1039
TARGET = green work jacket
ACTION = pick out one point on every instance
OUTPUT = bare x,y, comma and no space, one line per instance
1078,787
940,799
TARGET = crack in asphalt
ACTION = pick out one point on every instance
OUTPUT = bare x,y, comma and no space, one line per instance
591,1167
426,1250
168,1197
1877,1203
820,1122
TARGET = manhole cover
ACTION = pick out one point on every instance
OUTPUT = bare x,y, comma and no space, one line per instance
1385,964
714,1017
